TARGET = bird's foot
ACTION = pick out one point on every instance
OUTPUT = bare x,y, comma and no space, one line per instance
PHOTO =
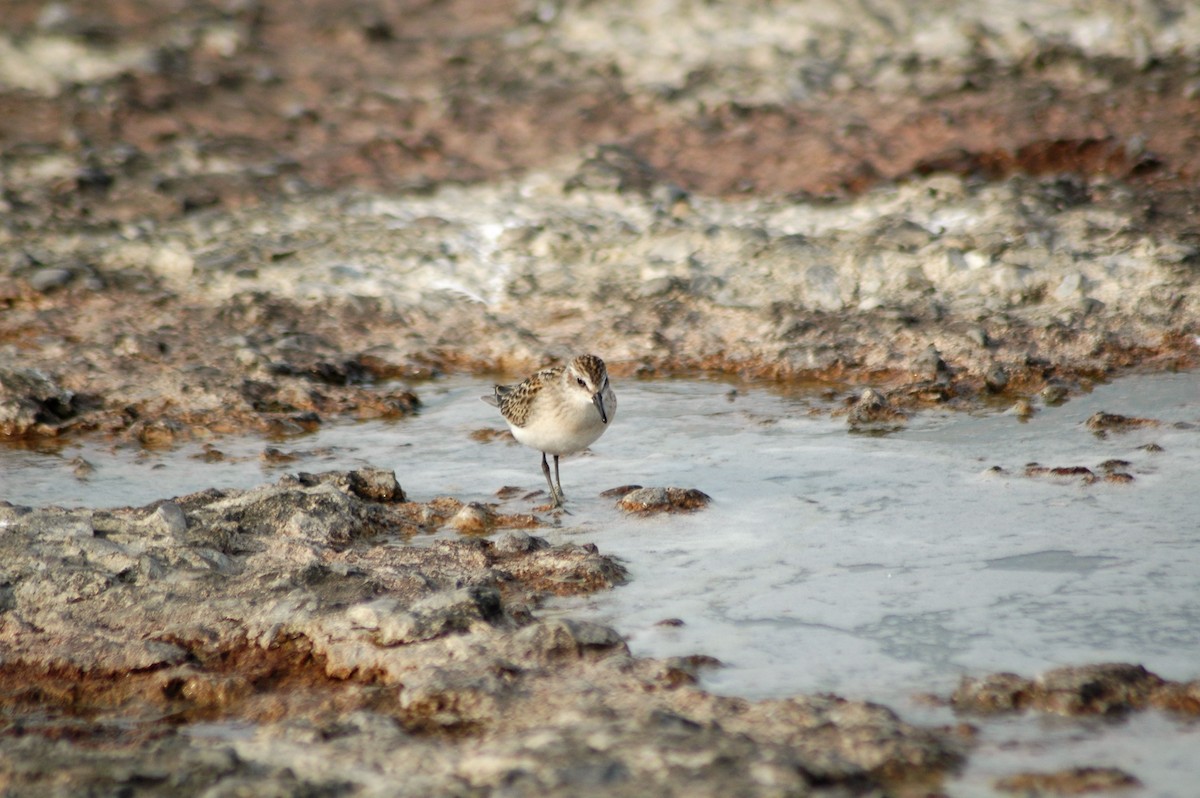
556,503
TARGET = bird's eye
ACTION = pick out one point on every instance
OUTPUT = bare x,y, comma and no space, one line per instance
582,384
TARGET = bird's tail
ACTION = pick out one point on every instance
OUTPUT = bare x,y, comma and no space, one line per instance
497,394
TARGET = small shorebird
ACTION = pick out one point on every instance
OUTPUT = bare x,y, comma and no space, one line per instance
560,410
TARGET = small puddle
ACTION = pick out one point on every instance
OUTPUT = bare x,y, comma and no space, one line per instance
875,567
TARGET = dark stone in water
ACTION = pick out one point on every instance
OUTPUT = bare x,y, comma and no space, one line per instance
649,501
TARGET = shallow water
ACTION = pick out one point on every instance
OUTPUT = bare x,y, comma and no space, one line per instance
876,567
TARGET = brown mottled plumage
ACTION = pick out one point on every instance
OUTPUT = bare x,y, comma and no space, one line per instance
559,410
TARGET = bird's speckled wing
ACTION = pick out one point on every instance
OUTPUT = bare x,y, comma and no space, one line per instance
516,401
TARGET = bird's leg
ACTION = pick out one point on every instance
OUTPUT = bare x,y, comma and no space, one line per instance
555,497
561,498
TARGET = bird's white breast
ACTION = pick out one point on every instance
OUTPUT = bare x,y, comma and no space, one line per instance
565,427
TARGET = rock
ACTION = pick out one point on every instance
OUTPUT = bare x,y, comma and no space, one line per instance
1083,472
32,404
997,693
81,468
561,570
277,457
158,433
1097,689
371,484
518,543
169,518
1054,394
375,484
650,501
1113,422
450,698
837,740
48,279
1074,781
1115,467
429,618
929,365
1023,408
996,378
873,410
1108,471
473,519
550,640
1108,689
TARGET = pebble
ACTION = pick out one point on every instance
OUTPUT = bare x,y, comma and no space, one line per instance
518,543
649,501
170,518
873,408
1023,408
473,519
996,378
1054,394
44,280
376,484
929,365
1116,422
81,468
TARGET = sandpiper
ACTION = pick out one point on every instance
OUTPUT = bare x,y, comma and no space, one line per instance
559,410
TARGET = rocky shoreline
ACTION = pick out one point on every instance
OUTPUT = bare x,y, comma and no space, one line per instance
299,637
1001,313
255,218
339,659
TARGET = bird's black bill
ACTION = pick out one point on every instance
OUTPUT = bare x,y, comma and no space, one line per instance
598,401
